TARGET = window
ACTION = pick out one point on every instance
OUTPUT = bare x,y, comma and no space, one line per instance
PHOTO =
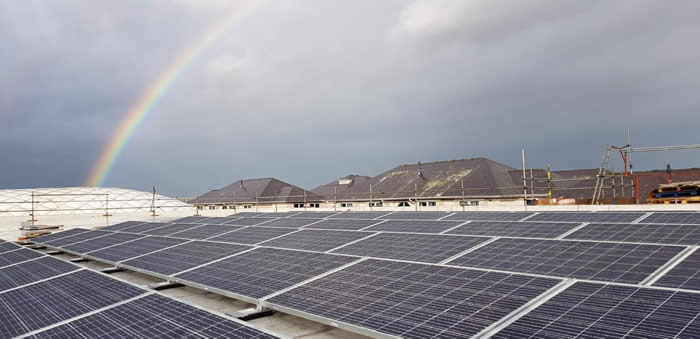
298,205
316,205
248,206
345,204
428,203
404,204
212,207
474,203
376,204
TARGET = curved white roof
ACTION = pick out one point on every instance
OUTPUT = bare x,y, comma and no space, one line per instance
83,200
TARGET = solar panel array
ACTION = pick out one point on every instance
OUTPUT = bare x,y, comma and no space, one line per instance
500,274
515,229
591,310
620,262
645,233
685,275
52,298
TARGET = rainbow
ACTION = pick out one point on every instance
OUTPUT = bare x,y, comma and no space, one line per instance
138,112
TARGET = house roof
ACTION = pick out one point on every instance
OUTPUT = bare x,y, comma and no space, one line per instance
340,186
480,176
263,190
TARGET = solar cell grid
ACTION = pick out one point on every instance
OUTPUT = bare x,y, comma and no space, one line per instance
153,316
490,216
16,256
280,214
170,229
218,220
135,248
428,248
53,236
247,214
8,246
589,310
315,240
77,238
314,215
102,242
515,229
359,215
685,274
414,300
253,235
647,233
605,217
415,215
343,224
183,257
48,302
144,227
264,271
33,271
619,262
415,226
191,220
205,231
288,222
248,221
121,226
673,218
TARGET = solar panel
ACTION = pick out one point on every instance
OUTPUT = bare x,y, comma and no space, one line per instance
121,226
135,248
218,220
6,246
414,300
192,220
204,231
253,235
429,248
315,240
153,316
280,214
247,214
648,233
102,242
343,224
620,262
415,226
491,216
77,238
144,227
288,222
673,218
248,221
590,310
614,217
20,255
314,215
263,271
48,302
416,215
515,229
183,257
685,274
170,229
53,236
33,271
359,215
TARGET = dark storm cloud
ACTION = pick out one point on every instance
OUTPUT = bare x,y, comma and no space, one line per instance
311,91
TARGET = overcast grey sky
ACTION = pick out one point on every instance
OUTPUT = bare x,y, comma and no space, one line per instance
308,91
